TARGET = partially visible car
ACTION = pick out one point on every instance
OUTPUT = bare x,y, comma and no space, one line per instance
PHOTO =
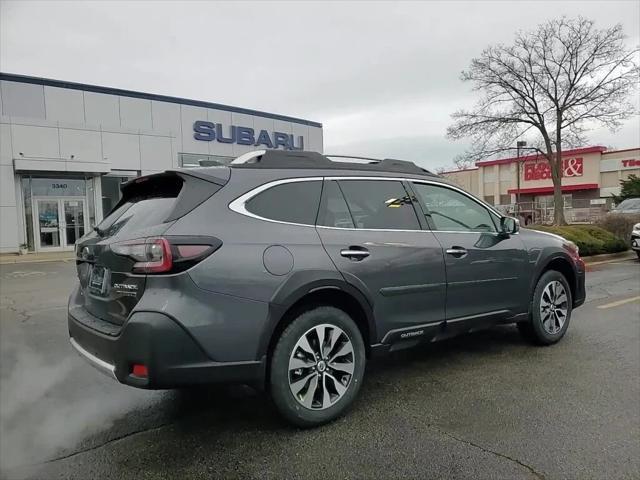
630,206
635,239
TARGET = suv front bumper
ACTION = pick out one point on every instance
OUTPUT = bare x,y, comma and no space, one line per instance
581,292
171,355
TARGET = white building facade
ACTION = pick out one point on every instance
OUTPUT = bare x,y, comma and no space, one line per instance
65,148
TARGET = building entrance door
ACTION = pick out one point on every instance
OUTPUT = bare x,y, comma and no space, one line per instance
59,222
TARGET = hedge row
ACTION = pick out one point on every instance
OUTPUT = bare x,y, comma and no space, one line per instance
591,240
619,224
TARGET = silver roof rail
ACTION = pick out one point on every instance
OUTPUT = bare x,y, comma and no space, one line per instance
247,157
351,158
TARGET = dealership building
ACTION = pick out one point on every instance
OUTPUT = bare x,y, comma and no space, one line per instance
590,176
65,148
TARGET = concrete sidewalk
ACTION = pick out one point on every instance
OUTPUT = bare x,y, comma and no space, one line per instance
9,258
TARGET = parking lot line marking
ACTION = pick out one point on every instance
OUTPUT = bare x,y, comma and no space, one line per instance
619,302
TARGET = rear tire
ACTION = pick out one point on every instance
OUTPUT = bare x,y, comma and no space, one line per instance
317,367
551,310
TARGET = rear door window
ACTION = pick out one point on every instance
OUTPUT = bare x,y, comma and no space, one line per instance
379,204
333,207
292,202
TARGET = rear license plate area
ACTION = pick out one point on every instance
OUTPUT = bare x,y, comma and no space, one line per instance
98,280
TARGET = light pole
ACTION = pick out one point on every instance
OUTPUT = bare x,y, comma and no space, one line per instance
520,144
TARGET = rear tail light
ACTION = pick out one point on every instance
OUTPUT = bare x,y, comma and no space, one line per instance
166,254
152,255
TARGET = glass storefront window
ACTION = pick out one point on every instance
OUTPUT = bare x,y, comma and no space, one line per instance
91,202
55,210
28,211
58,187
547,200
111,191
188,160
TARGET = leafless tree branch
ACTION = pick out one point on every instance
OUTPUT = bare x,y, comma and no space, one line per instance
550,86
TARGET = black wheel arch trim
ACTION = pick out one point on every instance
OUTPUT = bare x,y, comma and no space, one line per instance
543,266
306,282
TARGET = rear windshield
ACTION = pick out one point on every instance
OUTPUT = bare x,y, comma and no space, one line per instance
136,215
147,201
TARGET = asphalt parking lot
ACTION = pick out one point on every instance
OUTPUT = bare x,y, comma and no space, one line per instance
485,405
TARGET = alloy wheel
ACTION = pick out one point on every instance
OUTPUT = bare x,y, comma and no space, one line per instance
554,306
321,367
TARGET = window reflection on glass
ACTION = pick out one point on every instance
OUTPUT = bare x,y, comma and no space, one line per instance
547,201
91,202
295,202
74,220
48,222
111,193
190,160
453,211
379,204
28,214
58,187
333,207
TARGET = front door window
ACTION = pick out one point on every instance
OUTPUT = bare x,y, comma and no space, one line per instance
452,211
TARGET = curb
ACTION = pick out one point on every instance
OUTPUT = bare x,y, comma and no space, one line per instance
17,260
609,257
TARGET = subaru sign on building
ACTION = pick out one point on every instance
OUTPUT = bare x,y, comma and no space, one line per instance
65,148
209,132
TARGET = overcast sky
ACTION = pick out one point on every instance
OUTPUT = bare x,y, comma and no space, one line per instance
382,77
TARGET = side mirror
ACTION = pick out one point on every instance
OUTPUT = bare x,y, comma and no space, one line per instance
509,225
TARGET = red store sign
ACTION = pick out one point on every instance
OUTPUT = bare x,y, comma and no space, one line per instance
571,167
630,163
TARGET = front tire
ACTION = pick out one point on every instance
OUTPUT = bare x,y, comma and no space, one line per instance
551,310
317,367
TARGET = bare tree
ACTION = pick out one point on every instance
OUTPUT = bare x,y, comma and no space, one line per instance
550,87
462,163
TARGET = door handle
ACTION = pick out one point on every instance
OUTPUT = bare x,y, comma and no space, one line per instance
355,253
457,252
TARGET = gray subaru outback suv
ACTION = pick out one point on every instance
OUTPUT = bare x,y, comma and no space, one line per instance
289,270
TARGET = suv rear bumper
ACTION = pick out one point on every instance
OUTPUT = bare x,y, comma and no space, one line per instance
171,355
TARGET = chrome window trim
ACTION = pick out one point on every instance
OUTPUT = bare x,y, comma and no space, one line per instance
372,229
238,205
